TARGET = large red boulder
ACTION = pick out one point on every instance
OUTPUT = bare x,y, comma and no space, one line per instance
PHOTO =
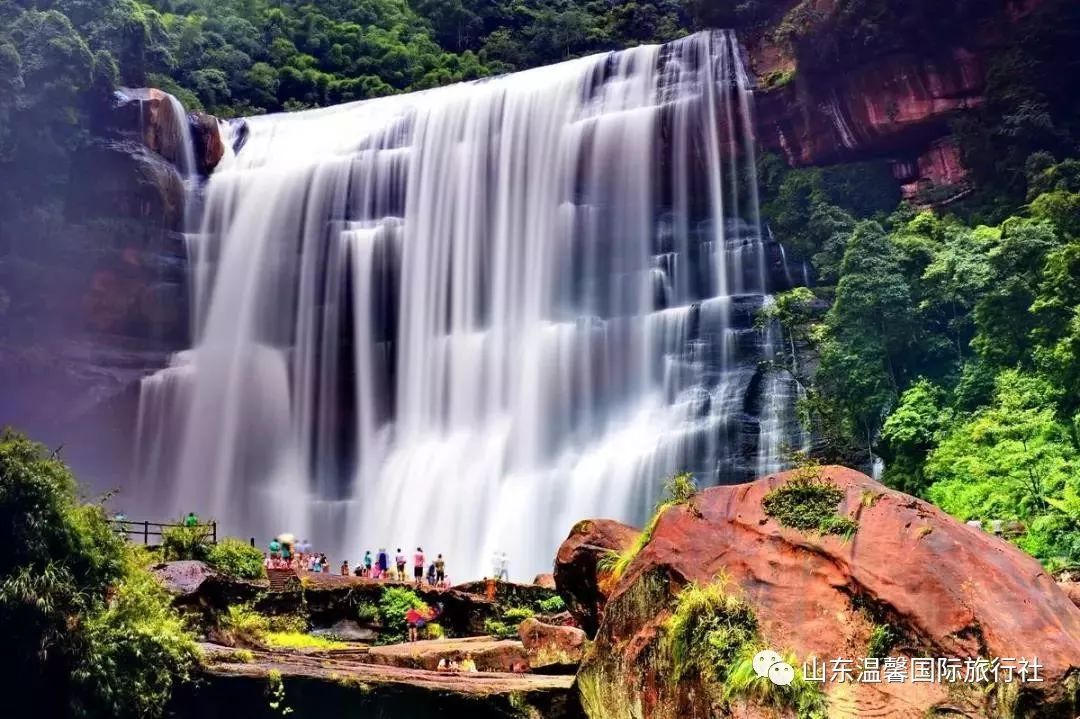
578,579
944,590
552,649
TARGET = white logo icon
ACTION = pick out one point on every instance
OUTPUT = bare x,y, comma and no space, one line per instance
768,663
765,659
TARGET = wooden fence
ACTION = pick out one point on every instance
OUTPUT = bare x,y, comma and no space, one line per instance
134,531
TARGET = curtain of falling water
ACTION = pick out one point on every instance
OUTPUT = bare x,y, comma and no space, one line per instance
467,318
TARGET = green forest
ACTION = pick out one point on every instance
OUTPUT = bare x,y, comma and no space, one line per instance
947,342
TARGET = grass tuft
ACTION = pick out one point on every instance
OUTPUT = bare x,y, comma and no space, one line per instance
713,635
883,637
808,503
300,640
678,490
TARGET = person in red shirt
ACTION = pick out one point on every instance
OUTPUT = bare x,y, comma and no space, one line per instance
417,619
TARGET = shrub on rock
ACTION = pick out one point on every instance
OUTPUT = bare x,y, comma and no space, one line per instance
237,558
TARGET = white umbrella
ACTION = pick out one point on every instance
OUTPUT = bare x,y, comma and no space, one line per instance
286,538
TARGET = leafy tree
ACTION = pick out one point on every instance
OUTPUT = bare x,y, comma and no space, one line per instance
93,633
866,331
1011,460
911,431
1001,315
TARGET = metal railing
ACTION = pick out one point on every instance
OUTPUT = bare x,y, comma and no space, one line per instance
133,531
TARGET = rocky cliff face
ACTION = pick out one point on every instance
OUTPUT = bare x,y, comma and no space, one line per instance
846,80
103,298
939,588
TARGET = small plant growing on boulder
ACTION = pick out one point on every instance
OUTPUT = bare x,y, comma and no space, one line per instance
367,613
801,697
241,625
707,630
240,656
844,527
882,638
808,503
680,489
713,634
506,627
551,605
237,558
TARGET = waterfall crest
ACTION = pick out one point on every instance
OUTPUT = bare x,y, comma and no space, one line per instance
468,317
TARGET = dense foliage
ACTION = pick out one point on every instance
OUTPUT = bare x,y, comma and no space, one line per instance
185,543
394,604
88,631
237,558
950,348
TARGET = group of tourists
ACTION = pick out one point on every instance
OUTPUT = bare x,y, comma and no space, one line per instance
453,665
286,553
378,566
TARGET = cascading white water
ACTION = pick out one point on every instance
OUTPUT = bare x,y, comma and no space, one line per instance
467,318
184,143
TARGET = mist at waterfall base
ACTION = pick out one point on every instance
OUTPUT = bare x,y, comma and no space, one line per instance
467,318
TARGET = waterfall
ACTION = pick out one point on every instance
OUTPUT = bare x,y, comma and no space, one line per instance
469,317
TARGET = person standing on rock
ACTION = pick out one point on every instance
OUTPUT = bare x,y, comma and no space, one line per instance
504,567
383,563
418,567
440,571
367,563
399,561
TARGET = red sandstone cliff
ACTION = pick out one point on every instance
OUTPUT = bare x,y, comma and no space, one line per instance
892,97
